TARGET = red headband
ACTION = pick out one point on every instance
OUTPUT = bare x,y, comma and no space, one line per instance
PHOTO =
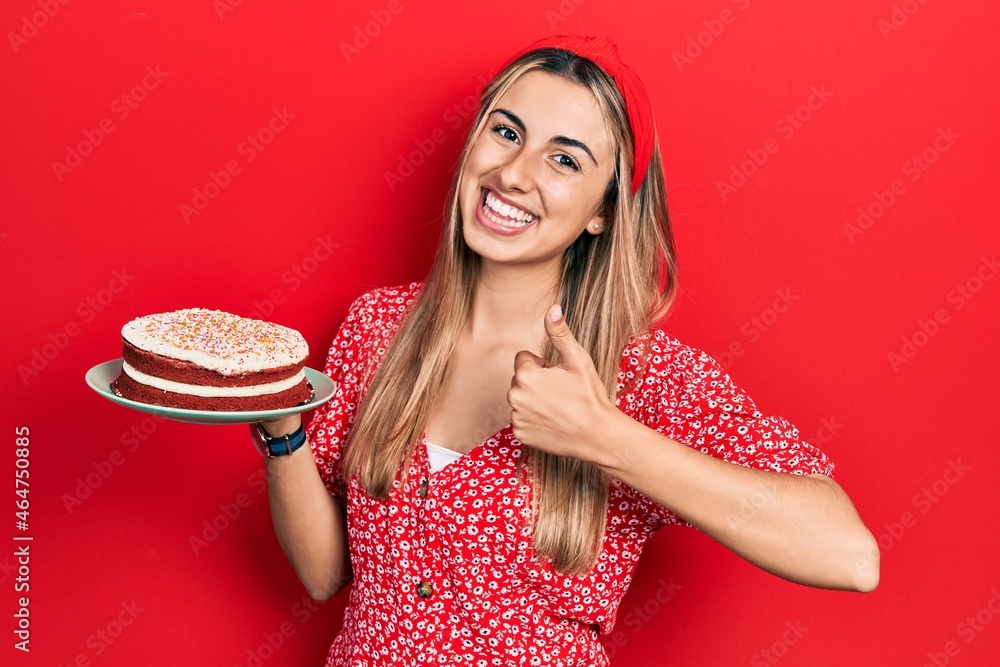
604,53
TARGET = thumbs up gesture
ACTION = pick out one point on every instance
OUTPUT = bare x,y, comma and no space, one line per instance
559,408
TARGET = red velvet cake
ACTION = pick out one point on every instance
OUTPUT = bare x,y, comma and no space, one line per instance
201,359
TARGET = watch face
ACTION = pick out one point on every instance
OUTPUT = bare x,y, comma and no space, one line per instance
258,439
270,446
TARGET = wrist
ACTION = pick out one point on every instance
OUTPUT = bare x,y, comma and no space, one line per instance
611,441
282,426
278,437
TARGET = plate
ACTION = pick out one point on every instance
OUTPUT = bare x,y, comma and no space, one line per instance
101,376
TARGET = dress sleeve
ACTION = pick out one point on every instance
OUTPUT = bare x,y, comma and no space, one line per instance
698,404
328,430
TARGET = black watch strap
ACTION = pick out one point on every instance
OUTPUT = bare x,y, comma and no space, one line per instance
283,445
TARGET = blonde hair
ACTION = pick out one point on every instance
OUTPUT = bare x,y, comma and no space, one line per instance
613,287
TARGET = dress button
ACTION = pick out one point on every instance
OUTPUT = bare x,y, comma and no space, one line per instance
424,589
423,489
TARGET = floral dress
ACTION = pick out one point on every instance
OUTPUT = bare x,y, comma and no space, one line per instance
444,570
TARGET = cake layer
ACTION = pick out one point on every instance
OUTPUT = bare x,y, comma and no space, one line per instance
127,387
209,390
188,372
216,340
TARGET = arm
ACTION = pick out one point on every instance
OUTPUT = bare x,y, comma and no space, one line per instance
305,490
800,527
803,528
309,522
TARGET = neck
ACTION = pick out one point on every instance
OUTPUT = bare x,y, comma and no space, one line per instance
511,302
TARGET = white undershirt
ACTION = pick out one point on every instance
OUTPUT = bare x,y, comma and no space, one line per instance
440,456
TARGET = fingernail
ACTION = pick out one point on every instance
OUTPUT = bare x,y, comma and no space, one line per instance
556,313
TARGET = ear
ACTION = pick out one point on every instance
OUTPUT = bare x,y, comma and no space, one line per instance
597,225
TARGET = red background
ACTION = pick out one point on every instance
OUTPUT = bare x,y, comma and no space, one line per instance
356,108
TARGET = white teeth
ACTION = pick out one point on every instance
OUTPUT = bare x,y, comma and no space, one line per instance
512,214
503,222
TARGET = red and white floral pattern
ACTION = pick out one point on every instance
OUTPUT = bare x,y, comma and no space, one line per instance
449,577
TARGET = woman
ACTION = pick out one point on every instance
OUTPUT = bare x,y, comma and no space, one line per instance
506,436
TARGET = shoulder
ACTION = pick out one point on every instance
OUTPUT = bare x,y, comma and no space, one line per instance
372,318
385,299
662,369
658,352
383,307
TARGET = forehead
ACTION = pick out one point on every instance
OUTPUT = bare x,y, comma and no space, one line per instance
551,105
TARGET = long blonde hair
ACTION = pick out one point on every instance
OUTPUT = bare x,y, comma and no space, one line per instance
613,287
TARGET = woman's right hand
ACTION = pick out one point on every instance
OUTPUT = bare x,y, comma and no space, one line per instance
282,426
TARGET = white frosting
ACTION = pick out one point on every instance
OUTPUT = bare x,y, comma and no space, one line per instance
209,392
220,341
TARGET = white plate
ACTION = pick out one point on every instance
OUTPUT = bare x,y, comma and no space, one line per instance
101,376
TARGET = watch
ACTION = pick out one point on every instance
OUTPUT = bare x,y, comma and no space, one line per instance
271,446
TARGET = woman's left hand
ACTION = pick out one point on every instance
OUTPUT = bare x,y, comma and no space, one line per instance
559,409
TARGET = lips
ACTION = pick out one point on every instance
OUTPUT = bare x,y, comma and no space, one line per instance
502,216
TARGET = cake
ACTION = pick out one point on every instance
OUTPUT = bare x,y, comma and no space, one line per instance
202,359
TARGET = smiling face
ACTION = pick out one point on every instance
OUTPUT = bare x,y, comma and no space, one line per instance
537,172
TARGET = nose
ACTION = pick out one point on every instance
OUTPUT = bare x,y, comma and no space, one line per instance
517,173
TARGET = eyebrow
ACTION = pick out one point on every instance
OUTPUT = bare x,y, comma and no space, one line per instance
558,139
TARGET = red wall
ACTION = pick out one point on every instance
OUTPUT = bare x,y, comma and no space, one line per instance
118,115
